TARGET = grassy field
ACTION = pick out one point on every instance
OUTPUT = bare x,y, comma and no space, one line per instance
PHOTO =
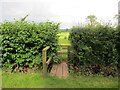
35,80
63,38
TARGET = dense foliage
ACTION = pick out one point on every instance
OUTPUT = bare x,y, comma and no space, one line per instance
94,46
22,42
118,46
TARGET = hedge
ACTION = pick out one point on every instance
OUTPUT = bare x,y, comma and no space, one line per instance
23,41
94,46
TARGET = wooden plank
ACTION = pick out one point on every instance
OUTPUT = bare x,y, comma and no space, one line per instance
61,52
53,70
65,72
64,48
64,45
59,71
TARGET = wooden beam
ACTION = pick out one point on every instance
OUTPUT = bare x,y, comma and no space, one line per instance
46,48
62,52
44,64
49,60
44,57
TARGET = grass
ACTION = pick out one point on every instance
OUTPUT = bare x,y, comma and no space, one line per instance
35,80
20,80
63,38
0,78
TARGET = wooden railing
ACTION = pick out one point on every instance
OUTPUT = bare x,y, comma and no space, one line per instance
45,62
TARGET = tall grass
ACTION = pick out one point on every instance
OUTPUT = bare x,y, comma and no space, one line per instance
35,80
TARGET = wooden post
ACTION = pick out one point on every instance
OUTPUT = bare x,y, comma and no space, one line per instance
44,61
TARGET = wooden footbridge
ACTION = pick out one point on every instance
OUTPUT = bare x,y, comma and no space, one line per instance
59,70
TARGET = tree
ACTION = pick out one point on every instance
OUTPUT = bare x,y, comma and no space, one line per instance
92,20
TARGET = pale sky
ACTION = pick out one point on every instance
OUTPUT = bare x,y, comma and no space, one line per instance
66,12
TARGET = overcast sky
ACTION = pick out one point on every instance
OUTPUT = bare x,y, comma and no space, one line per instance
66,12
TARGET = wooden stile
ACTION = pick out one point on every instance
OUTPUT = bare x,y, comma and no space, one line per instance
45,63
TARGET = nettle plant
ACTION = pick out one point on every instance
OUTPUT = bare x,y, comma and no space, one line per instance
23,41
